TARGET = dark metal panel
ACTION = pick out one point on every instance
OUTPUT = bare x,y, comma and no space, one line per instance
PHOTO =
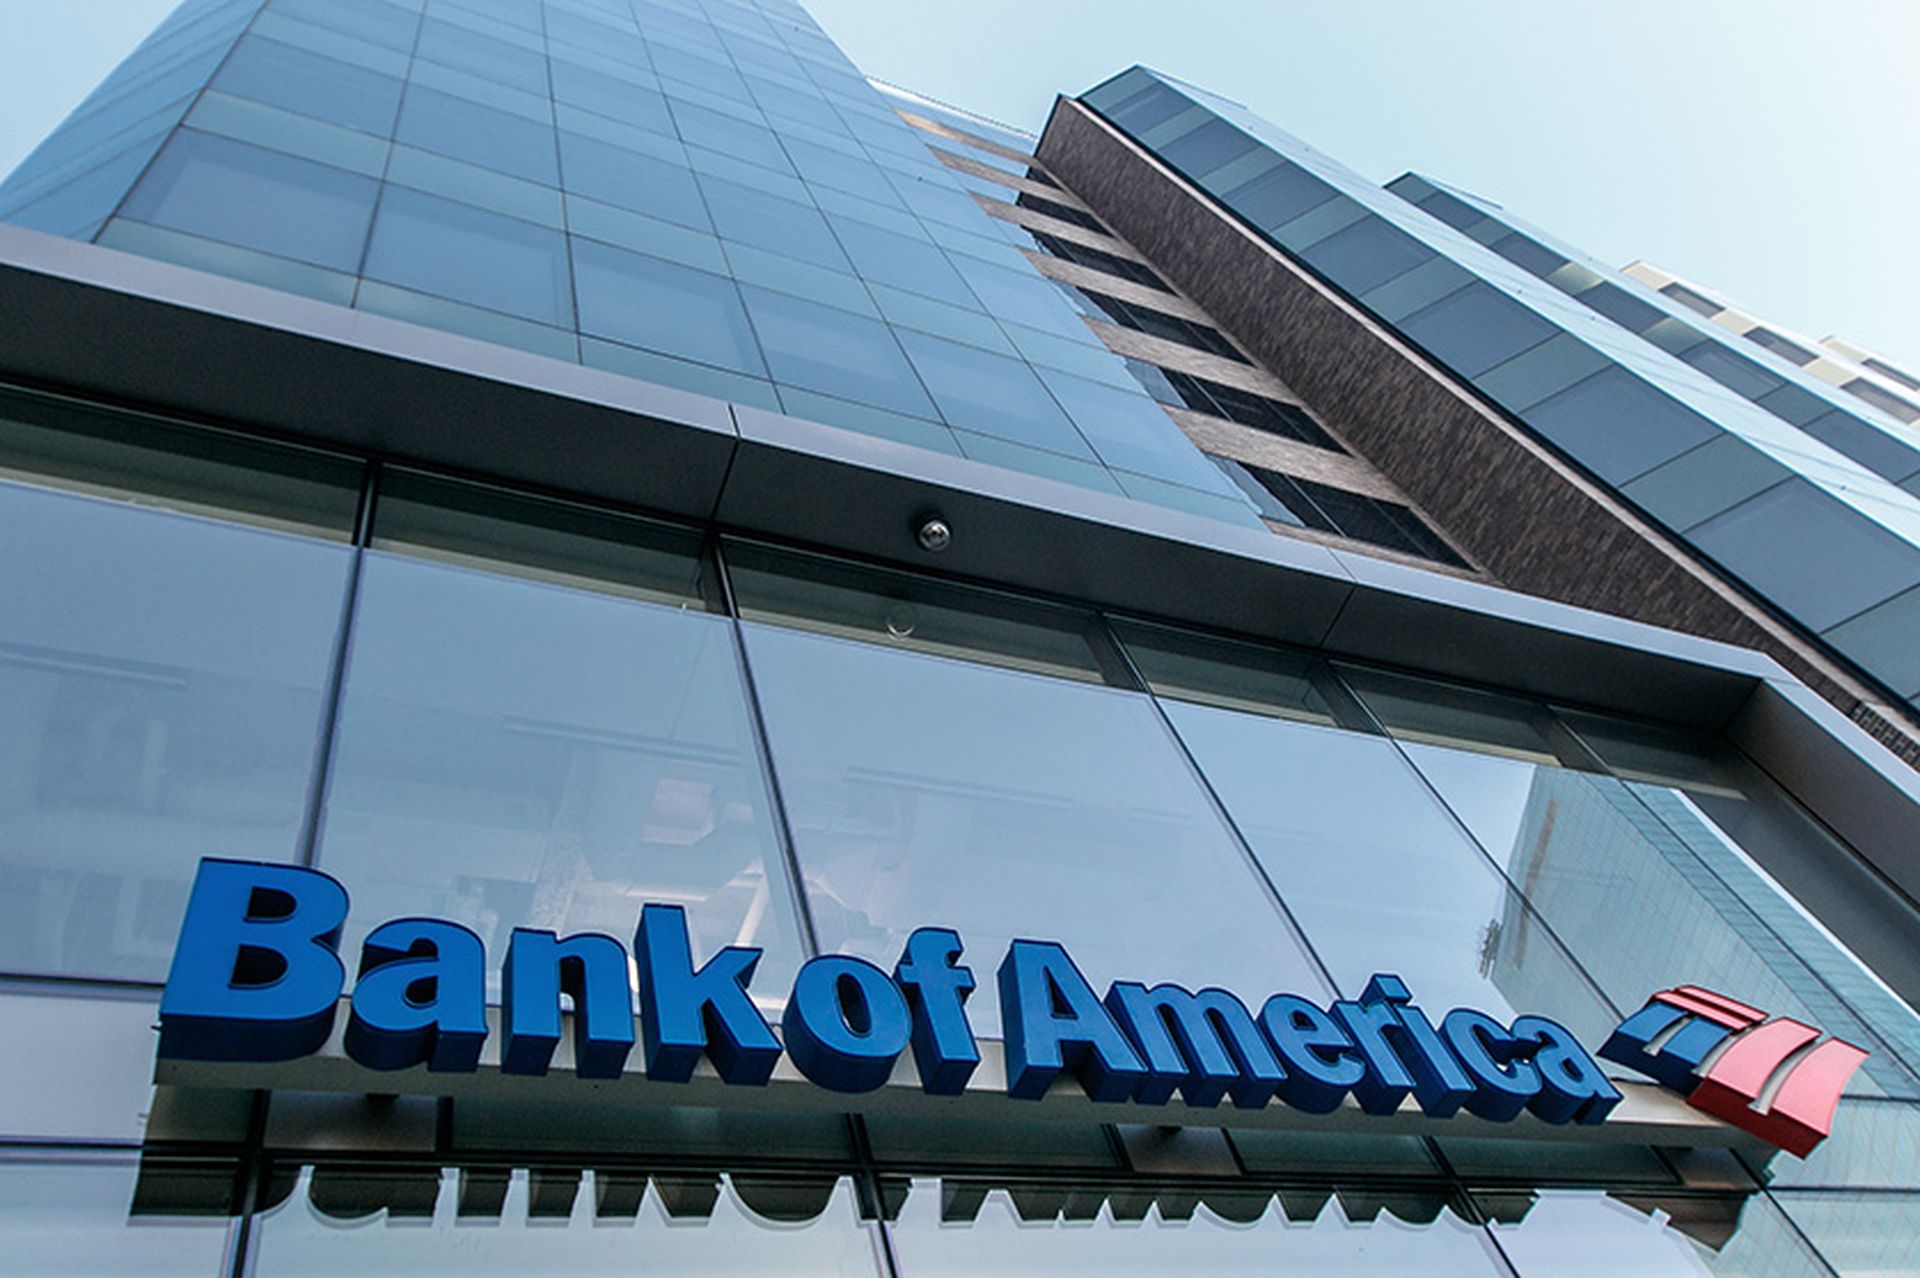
1862,790
1445,625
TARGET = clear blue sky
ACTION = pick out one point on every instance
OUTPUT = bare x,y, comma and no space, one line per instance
1766,149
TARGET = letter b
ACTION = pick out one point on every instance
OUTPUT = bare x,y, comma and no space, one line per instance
257,974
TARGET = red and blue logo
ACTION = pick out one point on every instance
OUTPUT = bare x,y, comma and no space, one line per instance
1770,1076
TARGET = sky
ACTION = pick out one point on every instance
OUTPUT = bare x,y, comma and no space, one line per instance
1765,149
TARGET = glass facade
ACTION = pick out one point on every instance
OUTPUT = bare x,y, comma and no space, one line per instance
1739,453
706,196
509,710
469,699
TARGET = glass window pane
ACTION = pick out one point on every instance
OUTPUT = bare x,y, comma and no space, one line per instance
1881,639
1278,196
1235,675
1626,887
1572,1234
256,198
1529,255
1472,330
749,216
1622,307
1022,298
602,1123
79,1217
53,442
905,610
471,255
1618,425
1000,1240
1885,370
632,180
1366,255
163,676
321,87
464,49
1736,372
1207,148
1004,804
615,97
980,391
552,541
818,164
1146,107
1821,561
1332,815
1451,209
478,134
1130,432
1880,451
1881,398
1860,1234
663,306
1704,481
728,134
516,753
299,1237
902,261
74,1066
824,349
386,24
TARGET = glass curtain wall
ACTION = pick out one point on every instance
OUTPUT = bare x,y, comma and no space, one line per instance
704,195
472,703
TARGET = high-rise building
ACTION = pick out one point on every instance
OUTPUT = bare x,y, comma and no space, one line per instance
606,470
1872,379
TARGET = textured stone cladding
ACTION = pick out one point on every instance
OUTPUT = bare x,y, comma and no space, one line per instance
1536,524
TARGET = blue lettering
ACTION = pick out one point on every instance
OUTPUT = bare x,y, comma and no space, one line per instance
256,975
1051,1021
1572,1086
590,969
1401,1052
1315,1052
936,989
846,1023
1505,1082
421,996
684,1012
1205,1044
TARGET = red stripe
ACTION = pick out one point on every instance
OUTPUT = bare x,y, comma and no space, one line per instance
1734,1007
1710,1006
1802,1111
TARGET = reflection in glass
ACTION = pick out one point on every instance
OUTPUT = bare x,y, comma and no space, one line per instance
1236,676
929,792
1377,875
1875,1145
907,610
1869,1235
256,198
1570,1234
513,753
1634,904
997,1241
830,351
563,1233
161,677
75,1218
470,255
75,1067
